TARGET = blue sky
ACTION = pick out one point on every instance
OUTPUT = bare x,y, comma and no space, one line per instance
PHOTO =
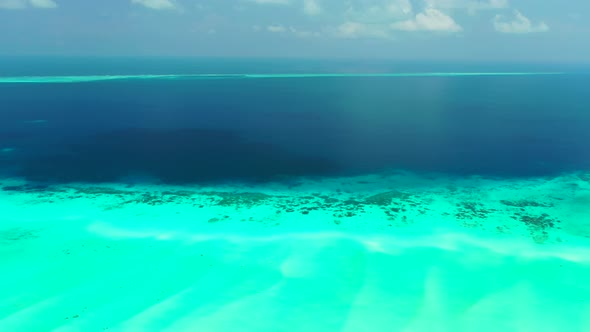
472,30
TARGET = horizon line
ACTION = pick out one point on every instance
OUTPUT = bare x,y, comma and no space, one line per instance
97,78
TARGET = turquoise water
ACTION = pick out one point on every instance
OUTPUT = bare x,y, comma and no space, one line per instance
180,258
428,201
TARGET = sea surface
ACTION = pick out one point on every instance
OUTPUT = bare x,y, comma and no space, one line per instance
175,194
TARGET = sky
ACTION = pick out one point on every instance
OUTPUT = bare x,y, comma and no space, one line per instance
459,30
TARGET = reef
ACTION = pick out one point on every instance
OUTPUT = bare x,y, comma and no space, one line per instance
345,207
526,203
387,198
238,199
472,213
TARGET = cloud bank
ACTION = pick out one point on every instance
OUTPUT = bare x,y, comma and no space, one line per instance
519,24
23,4
472,6
272,2
429,20
276,28
354,30
311,7
156,4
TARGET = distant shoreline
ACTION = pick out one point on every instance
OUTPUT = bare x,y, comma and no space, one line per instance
96,78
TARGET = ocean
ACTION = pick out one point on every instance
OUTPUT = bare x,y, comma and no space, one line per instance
177,194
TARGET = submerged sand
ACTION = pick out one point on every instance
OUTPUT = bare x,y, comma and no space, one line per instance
383,252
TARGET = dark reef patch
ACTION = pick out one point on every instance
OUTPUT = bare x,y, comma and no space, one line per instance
26,188
542,221
388,208
584,177
17,234
472,214
101,191
526,203
241,199
386,198
539,225
395,205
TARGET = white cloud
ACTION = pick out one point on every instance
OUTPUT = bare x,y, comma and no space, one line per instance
271,2
380,12
371,19
471,5
519,24
12,4
353,30
276,28
22,4
382,18
429,20
498,4
156,4
311,7
43,3
304,33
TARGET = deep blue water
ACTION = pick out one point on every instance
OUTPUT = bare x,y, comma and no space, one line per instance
187,131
